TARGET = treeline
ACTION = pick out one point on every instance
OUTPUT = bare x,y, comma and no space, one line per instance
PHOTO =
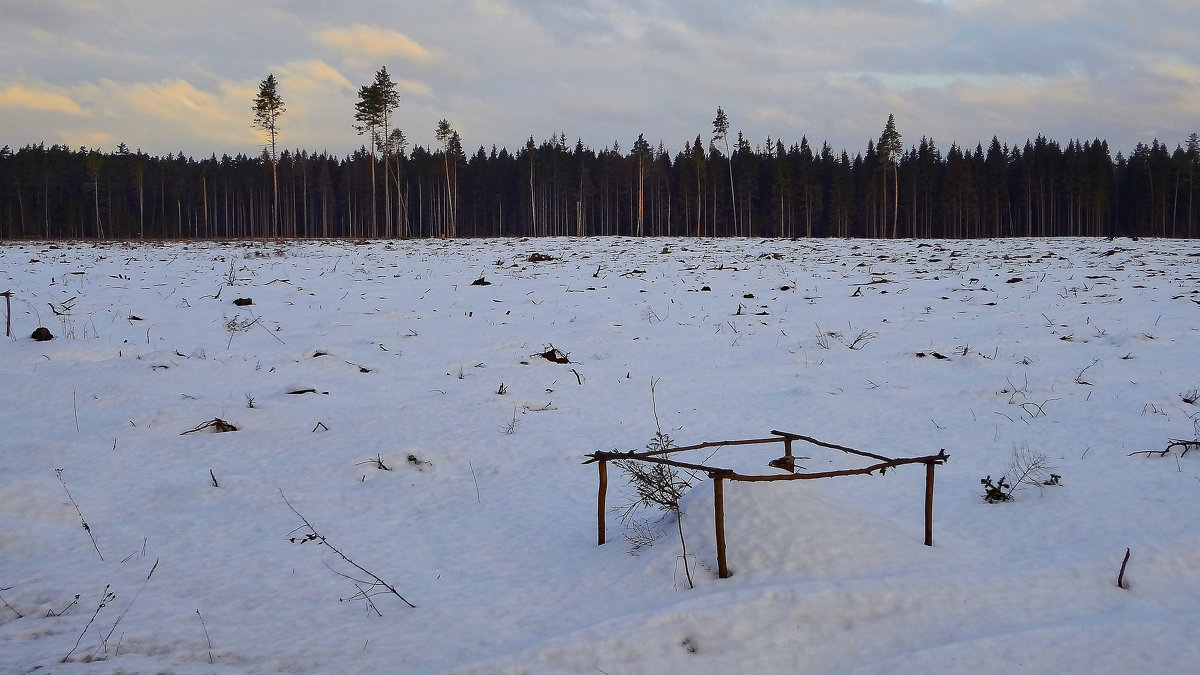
555,188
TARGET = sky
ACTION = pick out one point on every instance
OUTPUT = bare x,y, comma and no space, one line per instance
167,76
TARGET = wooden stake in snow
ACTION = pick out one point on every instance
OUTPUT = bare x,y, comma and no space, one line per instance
719,518
929,503
8,314
603,466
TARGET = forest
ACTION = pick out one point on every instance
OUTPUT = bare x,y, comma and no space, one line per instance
713,187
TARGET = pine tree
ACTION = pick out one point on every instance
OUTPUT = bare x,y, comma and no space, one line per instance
1192,159
890,150
388,100
451,149
721,133
395,145
698,161
369,112
641,153
268,108
93,162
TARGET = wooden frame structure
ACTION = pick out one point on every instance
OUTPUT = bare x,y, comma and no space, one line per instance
787,463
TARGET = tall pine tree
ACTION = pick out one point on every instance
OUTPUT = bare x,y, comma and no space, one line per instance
268,108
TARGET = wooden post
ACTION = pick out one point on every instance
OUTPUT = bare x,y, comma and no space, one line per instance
929,503
719,510
8,314
603,466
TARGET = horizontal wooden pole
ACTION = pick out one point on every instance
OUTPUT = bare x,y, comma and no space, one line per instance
614,456
931,459
834,446
634,454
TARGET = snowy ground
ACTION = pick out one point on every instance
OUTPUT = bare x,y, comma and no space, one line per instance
1079,350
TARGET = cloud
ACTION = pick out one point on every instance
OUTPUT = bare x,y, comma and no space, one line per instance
62,43
366,43
27,98
175,100
171,76
414,87
310,75
74,138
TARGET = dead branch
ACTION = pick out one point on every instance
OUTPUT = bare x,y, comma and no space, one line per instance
1171,444
217,424
317,535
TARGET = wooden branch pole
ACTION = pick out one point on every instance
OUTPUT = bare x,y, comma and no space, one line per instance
929,467
719,512
603,466
8,313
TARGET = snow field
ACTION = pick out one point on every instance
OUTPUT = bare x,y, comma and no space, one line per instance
1076,349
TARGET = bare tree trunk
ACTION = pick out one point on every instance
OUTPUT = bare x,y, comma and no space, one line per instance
96,199
374,220
204,196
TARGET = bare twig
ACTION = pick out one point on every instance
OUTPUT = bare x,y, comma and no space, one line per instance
75,601
822,338
862,340
206,637
1028,467
477,497
14,609
1079,376
217,424
316,535
107,598
510,427
370,603
104,643
376,461
86,528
